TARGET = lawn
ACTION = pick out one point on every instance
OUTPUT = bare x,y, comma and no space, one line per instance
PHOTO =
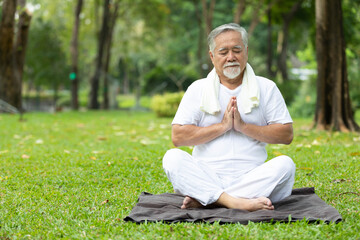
76,175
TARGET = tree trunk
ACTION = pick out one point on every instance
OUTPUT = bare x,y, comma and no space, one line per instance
240,9
20,50
255,17
74,58
107,57
8,91
200,47
283,54
269,61
259,12
333,106
93,98
207,13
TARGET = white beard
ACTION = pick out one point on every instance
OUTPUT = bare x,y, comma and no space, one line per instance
232,72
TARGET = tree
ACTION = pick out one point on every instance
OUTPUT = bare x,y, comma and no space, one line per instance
95,80
239,10
287,17
107,54
74,57
12,51
7,90
333,107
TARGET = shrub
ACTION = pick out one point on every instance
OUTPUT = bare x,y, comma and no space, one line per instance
167,104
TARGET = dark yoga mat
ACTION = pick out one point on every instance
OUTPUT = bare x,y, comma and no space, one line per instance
303,203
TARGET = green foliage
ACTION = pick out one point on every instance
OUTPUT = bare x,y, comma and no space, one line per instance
305,99
353,62
171,78
289,90
156,37
46,63
307,56
167,104
78,175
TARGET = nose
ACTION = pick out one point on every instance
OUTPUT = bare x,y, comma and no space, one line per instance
230,57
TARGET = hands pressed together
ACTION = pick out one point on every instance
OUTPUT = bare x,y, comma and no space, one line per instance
190,135
232,118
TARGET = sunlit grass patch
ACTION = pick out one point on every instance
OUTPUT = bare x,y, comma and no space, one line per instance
77,175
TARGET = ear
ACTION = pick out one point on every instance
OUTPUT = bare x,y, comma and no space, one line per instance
211,57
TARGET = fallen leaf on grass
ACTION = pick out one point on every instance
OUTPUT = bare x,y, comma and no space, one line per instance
97,152
4,151
25,156
277,153
315,142
93,158
102,138
341,180
305,168
135,158
354,154
104,202
275,147
348,193
146,141
4,178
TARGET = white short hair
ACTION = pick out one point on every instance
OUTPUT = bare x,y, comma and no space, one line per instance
225,28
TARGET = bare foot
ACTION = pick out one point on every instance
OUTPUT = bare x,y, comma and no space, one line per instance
244,203
259,203
189,202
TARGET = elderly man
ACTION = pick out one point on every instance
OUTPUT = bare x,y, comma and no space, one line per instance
229,117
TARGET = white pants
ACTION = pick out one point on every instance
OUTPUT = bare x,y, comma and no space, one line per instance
273,179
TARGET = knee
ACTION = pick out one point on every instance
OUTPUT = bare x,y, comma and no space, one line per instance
286,165
171,159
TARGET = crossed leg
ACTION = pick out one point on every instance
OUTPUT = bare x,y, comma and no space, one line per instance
254,192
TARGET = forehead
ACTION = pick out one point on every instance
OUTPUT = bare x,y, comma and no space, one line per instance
228,39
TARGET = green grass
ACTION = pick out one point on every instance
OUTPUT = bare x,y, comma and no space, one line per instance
77,175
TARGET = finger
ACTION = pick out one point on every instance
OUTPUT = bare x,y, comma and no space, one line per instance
228,108
234,102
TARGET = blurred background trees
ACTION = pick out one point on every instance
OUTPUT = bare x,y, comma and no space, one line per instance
118,53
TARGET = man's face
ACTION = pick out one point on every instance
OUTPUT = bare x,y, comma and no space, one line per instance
229,56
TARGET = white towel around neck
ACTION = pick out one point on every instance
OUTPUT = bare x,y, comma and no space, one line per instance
249,96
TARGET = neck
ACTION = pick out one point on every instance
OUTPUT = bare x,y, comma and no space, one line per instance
232,83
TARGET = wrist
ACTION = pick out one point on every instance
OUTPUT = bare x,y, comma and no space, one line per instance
241,127
224,128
